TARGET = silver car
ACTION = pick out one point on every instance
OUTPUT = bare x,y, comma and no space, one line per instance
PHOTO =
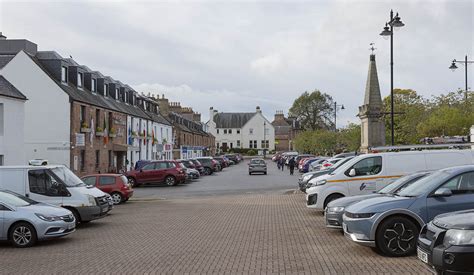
257,166
24,221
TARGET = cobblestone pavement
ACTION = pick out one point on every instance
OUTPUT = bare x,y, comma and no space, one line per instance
234,234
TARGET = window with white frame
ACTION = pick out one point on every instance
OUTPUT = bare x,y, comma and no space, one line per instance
250,144
230,131
80,78
225,131
238,131
251,131
64,74
255,144
238,143
93,85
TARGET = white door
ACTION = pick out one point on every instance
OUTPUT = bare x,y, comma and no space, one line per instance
367,177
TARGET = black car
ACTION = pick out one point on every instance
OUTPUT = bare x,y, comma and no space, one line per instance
447,243
210,165
233,158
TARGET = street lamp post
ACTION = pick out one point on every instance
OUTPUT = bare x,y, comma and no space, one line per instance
453,67
387,32
335,113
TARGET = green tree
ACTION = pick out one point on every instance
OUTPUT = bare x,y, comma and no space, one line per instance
446,121
411,108
313,110
348,138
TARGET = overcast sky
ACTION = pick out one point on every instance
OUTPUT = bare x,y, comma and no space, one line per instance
237,55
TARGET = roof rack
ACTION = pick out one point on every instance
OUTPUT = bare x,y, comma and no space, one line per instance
422,146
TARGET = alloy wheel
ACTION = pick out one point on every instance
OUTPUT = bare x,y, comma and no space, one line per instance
170,181
399,239
22,235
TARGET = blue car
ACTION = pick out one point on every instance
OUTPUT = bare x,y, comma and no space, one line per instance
391,224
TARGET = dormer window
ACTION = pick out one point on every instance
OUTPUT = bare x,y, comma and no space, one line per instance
79,79
106,90
93,85
64,74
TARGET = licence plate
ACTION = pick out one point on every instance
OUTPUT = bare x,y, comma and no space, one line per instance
423,256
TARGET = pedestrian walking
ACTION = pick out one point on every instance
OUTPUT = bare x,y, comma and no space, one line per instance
282,163
292,163
278,164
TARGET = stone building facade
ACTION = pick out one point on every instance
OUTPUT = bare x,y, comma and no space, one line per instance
286,129
95,151
189,138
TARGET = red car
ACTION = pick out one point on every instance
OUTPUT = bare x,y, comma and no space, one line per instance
114,184
168,172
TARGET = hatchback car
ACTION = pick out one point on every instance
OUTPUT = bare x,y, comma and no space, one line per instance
392,223
168,172
114,184
447,243
24,221
335,209
257,166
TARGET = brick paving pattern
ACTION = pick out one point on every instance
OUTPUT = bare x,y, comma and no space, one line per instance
238,234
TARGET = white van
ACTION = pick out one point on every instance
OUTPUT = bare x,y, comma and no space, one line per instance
57,185
365,174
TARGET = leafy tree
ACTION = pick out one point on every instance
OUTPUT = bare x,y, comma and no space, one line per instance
411,108
314,110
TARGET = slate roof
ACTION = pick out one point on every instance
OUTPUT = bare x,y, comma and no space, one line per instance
7,89
232,120
86,96
4,59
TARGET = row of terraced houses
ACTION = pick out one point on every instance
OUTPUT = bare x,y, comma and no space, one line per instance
56,109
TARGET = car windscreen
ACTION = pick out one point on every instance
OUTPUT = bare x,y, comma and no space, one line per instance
16,200
399,183
341,165
68,177
257,161
427,183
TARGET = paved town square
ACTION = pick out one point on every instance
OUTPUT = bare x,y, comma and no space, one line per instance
262,226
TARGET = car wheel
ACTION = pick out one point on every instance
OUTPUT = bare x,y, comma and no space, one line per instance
208,171
117,198
76,215
397,236
132,182
331,198
170,181
22,234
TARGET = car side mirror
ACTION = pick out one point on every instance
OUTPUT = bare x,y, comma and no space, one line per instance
352,172
443,192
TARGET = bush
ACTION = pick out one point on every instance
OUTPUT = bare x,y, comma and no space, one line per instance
251,152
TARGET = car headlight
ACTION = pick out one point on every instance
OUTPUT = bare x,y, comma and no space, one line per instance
307,178
315,182
459,237
48,218
359,215
336,209
92,200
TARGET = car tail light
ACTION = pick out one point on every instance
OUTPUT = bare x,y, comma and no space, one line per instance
327,164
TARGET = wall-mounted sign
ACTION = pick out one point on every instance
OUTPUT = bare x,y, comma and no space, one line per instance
80,139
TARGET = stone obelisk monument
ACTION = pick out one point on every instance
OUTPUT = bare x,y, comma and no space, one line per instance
371,112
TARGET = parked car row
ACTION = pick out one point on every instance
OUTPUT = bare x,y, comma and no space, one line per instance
401,204
43,202
40,202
